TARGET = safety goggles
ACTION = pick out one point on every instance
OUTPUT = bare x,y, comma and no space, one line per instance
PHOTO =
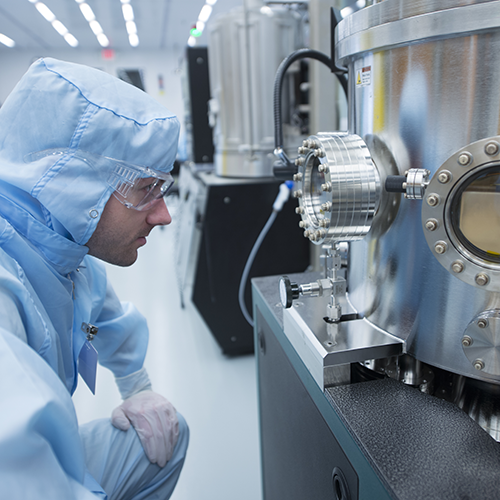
134,186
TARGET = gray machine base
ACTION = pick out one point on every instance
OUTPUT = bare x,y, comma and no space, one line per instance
371,440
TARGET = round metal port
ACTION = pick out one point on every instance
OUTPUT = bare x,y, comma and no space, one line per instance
340,486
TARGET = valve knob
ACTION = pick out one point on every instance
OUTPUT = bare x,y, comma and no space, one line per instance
288,292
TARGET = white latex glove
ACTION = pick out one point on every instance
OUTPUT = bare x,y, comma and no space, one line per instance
155,420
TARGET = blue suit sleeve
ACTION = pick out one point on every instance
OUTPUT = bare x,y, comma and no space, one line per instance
40,448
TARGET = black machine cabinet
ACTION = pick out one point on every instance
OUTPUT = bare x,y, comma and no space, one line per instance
372,440
231,215
198,90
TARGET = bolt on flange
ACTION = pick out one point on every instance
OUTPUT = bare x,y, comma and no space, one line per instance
467,341
433,200
482,279
478,364
491,148
431,224
464,159
444,177
440,247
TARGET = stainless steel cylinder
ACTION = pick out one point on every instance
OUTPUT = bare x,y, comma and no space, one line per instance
246,45
424,84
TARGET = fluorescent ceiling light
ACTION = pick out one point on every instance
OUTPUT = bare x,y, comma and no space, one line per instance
200,25
95,27
191,41
59,27
71,40
103,40
87,12
7,41
128,15
205,12
211,2
45,11
133,40
131,28
128,12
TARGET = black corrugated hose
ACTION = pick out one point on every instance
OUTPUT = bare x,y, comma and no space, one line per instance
278,82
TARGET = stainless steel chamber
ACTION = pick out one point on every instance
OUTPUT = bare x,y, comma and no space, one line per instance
246,46
414,187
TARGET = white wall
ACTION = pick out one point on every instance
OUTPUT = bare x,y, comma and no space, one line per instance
14,63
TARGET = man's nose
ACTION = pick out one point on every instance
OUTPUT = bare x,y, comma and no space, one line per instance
158,215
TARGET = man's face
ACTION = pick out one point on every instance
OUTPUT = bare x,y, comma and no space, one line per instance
121,231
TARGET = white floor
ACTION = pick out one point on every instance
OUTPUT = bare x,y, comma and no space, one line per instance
217,395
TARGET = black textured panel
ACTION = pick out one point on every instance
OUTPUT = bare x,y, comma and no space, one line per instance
422,447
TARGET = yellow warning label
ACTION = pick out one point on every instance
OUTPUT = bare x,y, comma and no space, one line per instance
364,76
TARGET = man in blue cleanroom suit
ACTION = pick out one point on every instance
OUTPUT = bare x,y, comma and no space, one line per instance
84,162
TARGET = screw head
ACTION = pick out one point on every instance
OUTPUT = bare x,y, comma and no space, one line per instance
467,341
303,224
321,168
482,323
457,267
465,159
298,193
440,247
482,279
326,187
431,224
491,148
432,200
478,364
297,177
444,177
326,207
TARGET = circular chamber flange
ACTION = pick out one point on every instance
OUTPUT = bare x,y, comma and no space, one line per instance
339,191
461,214
481,342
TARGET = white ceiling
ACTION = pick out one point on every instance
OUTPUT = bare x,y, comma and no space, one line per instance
161,24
